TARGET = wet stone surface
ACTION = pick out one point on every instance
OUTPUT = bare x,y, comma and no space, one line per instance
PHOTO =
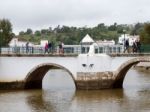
94,81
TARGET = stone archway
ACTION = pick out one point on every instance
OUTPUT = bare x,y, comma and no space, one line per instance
34,78
123,69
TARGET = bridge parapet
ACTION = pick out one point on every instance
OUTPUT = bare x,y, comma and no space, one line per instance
128,54
75,55
38,55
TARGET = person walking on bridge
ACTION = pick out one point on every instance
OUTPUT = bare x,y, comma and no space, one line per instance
138,46
61,49
126,46
46,47
27,47
49,47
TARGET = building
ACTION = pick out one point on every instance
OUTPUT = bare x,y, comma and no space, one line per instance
85,43
106,46
106,42
87,40
43,42
18,42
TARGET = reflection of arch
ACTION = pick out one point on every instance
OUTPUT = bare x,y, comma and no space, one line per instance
123,69
43,101
34,78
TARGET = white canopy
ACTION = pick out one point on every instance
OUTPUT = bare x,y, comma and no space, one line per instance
87,39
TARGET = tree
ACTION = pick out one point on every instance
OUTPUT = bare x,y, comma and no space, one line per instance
6,31
29,31
44,31
65,29
101,27
113,27
145,34
21,33
137,29
37,33
147,28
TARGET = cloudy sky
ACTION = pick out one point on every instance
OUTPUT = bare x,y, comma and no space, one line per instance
37,14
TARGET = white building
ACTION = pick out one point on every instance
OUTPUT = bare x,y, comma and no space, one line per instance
87,40
106,46
105,42
16,42
43,42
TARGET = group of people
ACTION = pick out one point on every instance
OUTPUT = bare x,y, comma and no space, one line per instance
49,48
136,46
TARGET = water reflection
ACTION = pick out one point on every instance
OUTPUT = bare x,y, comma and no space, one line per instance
104,100
50,101
37,104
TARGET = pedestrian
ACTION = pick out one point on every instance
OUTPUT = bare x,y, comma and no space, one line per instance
46,47
138,45
134,46
61,51
126,46
49,47
27,47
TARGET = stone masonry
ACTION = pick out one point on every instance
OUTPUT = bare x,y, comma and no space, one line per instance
94,81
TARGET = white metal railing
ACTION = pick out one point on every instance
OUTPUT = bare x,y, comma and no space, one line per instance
68,49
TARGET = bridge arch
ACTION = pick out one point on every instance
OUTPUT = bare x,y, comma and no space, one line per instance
123,69
34,78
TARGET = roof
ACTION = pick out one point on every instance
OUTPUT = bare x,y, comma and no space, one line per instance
87,39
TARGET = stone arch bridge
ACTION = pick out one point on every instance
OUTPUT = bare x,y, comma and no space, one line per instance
97,71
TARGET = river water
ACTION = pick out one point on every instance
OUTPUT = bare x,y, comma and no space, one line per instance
59,95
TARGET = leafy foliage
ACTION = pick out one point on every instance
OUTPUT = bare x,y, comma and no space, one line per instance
145,33
73,35
6,32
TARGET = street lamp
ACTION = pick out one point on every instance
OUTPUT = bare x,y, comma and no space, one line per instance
124,31
1,40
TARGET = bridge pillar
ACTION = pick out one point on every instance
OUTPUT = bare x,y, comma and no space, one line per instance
94,81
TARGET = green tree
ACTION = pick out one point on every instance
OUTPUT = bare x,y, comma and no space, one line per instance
29,31
145,34
37,33
137,29
101,27
6,32
44,31
113,27
21,33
